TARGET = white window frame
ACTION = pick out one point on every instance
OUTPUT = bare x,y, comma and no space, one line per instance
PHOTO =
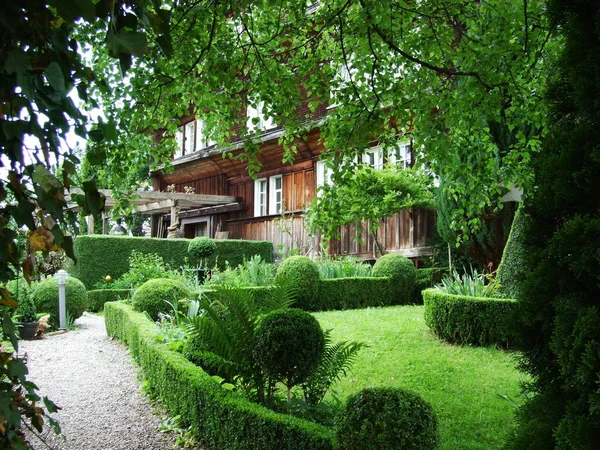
260,197
401,155
373,157
179,141
264,123
275,195
202,140
324,175
189,135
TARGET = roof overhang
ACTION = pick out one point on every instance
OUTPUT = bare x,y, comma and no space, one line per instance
153,202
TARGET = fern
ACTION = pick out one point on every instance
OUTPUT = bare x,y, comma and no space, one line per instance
227,327
337,360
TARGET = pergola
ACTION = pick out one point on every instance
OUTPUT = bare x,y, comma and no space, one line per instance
154,202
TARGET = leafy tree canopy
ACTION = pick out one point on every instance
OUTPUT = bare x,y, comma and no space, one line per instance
465,78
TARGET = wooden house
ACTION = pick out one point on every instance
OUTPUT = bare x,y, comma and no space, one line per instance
271,206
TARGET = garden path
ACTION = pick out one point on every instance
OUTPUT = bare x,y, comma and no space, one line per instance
95,382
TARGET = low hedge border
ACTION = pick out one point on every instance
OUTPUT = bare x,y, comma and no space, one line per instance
97,298
101,255
218,417
468,320
355,292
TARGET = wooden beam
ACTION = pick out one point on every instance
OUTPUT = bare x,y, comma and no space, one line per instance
155,206
142,197
211,210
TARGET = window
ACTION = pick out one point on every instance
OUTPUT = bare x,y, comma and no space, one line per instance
260,197
257,120
191,138
275,195
373,157
202,140
324,173
401,155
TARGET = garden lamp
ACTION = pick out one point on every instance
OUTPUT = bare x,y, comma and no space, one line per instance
62,276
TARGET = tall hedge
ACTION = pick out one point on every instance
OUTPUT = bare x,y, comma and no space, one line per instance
221,419
560,298
101,255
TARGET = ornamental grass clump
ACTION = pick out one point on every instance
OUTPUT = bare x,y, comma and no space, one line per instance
387,419
470,283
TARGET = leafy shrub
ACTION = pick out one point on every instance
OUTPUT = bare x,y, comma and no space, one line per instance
201,248
471,284
220,418
101,255
159,295
387,419
302,273
467,319
21,290
45,297
402,273
289,345
253,272
142,267
427,278
345,267
97,298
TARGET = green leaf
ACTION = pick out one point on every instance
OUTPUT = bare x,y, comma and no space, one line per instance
17,61
55,77
132,42
44,178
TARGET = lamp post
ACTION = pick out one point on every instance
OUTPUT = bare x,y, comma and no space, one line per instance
62,276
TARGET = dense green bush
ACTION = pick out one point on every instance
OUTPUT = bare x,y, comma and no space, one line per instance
201,248
468,320
45,296
353,293
301,273
252,272
512,269
427,278
218,417
159,295
142,267
387,419
402,273
101,255
98,297
26,311
289,344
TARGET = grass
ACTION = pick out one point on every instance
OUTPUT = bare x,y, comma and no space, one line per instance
463,384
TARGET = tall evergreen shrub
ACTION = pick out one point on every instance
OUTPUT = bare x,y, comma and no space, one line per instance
560,299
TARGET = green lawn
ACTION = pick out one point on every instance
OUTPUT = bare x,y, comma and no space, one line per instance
461,383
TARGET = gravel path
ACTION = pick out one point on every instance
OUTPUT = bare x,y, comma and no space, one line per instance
95,382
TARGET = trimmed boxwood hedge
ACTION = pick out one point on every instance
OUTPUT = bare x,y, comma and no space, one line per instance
101,255
218,417
468,320
97,298
354,293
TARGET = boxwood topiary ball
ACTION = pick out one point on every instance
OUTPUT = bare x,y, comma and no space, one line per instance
153,295
302,274
45,297
202,247
402,272
387,419
289,345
